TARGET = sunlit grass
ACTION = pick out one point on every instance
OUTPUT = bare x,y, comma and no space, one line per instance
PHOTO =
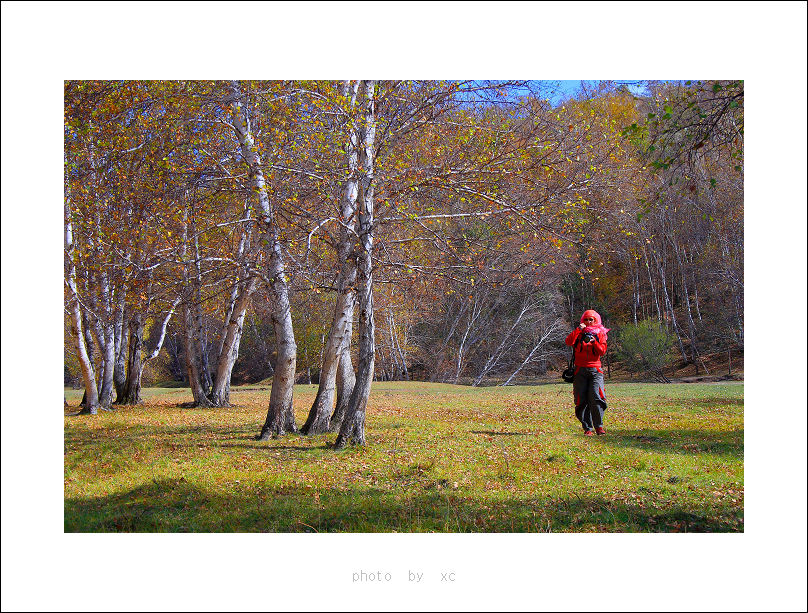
439,458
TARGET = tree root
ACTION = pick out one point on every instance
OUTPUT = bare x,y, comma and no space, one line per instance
84,411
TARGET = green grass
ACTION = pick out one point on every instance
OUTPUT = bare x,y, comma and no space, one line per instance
439,458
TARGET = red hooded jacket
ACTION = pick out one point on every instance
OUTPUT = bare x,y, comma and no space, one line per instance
588,354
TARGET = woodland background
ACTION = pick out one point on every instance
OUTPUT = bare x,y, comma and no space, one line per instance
499,217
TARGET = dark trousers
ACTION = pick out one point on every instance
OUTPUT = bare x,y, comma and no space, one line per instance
590,397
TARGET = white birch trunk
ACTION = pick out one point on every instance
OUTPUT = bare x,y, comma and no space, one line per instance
400,352
541,342
228,353
108,346
74,309
494,358
99,295
191,323
233,324
346,379
669,306
161,337
319,415
651,284
353,425
121,346
463,348
280,418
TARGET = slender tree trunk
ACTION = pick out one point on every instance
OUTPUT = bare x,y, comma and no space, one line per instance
669,305
353,425
319,415
90,343
108,346
395,368
651,284
99,319
400,352
192,358
233,326
200,335
691,325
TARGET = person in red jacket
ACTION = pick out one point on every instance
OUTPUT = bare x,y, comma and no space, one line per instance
589,344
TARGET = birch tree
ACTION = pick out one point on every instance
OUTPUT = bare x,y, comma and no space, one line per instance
280,418
352,428
73,307
338,343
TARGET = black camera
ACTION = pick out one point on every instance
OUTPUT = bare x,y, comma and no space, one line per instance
587,337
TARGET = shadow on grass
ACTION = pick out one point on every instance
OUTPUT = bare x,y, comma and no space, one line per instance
262,445
175,505
679,441
161,432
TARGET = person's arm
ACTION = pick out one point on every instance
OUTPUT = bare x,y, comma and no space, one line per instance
573,336
599,345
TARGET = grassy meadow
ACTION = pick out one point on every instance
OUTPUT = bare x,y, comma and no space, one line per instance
439,458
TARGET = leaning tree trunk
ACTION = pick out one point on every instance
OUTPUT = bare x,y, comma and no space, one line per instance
280,418
90,343
233,326
228,354
74,309
353,425
319,415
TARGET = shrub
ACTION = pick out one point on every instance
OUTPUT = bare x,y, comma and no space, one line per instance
645,348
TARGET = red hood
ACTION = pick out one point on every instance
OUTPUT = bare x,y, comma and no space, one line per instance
598,326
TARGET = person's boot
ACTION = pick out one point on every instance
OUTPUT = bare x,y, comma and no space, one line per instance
600,430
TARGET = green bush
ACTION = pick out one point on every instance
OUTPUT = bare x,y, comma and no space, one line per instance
645,348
